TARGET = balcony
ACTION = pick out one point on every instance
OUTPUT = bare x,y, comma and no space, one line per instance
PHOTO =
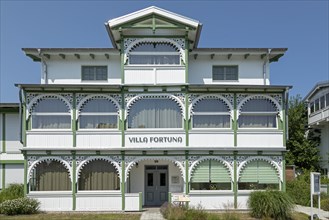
319,116
154,75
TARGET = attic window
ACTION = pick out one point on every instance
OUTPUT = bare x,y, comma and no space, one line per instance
154,54
94,73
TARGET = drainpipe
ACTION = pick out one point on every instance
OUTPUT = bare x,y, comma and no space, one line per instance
44,70
267,60
287,108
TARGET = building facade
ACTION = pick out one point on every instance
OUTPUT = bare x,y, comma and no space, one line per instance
152,118
318,119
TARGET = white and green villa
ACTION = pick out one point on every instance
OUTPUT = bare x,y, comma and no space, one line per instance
154,117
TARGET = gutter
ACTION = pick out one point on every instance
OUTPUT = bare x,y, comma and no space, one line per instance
264,65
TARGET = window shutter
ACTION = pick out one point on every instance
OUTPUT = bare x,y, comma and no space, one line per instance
201,173
219,173
259,171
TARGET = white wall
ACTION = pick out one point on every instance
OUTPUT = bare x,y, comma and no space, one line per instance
250,70
14,173
68,71
212,200
53,201
12,133
101,201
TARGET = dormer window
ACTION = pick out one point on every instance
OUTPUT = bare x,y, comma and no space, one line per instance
149,53
94,73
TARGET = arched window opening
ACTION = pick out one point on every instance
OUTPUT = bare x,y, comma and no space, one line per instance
258,174
258,113
155,113
99,175
50,175
210,175
211,113
150,53
51,113
98,114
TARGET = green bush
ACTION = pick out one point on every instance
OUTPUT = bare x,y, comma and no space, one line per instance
270,204
20,206
299,189
14,191
325,204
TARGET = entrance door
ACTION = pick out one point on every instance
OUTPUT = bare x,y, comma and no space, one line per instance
156,185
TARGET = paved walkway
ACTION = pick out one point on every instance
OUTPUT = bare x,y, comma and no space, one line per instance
152,214
307,210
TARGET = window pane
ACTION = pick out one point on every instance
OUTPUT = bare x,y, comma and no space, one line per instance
210,186
150,179
99,106
211,121
51,105
312,107
322,102
327,99
99,175
317,104
50,176
259,105
256,121
94,73
163,179
255,185
98,121
154,59
155,113
218,73
210,105
51,121
225,72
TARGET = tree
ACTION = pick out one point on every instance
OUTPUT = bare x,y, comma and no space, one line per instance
303,142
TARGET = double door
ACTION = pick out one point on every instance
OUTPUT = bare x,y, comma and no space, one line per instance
156,185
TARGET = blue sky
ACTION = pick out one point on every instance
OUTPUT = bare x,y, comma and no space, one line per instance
301,26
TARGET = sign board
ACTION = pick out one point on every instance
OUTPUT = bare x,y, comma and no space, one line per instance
315,183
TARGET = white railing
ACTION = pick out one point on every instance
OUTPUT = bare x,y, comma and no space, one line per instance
53,201
319,116
211,138
260,138
154,75
49,138
90,139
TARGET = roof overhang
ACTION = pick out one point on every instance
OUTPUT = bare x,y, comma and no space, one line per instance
9,107
36,54
316,88
153,21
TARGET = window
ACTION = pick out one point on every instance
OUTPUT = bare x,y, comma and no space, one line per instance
155,113
210,175
312,107
98,114
154,54
211,113
322,102
225,73
99,175
98,73
258,175
327,100
258,113
51,113
50,176
317,105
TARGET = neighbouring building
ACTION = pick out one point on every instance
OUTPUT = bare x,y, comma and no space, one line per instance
318,119
149,119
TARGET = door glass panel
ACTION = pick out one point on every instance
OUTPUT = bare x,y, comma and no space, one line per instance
150,167
163,180
162,167
150,179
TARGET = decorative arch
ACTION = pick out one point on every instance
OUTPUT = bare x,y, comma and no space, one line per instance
58,159
93,158
173,160
219,159
38,98
98,96
132,101
177,46
211,96
274,101
266,159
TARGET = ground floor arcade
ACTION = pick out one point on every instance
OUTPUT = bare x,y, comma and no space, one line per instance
214,180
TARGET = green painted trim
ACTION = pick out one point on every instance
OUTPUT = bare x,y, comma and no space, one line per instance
3,133
235,122
123,167
11,161
74,121
3,176
187,182
123,120
187,121
284,122
235,184
74,185
140,196
122,60
283,172
25,176
187,47
169,197
24,122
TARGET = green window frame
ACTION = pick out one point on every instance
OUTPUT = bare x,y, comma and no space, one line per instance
225,73
94,73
